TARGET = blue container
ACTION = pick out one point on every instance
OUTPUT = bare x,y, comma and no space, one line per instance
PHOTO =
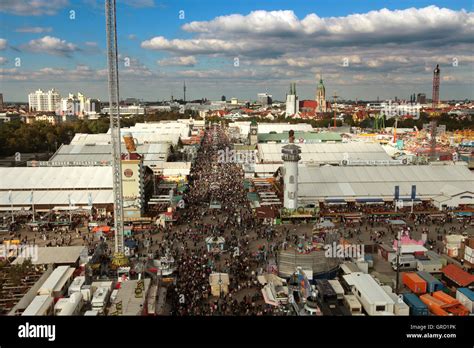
432,284
416,306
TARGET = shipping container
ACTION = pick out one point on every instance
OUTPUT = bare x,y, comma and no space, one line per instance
453,306
435,305
432,284
466,297
417,307
414,282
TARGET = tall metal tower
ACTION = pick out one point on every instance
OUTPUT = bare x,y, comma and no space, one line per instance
335,110
435,97
184,91
112,62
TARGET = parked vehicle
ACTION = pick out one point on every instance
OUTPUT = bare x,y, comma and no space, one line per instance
57,283
430,266
338,289
405,263
40,306
69,305
370,294
100,299
417,307
353,305
414,282
326,293
76,285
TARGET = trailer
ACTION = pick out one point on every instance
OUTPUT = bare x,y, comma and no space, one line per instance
430,266
69,306
76,285
400,308
373,298
417,307
326,293
100,299
414,282
338,289
432,284
57,282
40,306
353,305
466,297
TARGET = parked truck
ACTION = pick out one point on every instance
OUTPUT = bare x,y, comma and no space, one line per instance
100,299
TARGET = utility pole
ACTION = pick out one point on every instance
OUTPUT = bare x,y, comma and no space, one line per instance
399,247
334,107
184,91
112,62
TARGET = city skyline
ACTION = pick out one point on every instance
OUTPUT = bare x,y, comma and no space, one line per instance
161,47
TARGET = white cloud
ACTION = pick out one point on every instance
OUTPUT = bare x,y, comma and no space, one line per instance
32,7
35,30
178,61
51,45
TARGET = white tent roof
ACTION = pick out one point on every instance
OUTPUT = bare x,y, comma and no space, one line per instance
380,181
325,153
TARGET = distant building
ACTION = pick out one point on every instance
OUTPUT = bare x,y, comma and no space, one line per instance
9,117
234,101
292,103
1,101
264,99
321,96
421,98
223,98
127,110
44,101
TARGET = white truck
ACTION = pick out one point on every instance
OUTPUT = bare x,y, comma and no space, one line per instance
100,299
69,306
76,285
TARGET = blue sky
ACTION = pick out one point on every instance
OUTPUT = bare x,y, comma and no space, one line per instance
364,49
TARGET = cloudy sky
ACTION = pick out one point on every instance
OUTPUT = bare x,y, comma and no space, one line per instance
364,49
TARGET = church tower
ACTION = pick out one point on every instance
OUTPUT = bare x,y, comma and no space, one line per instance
292,102
253,136
321,96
